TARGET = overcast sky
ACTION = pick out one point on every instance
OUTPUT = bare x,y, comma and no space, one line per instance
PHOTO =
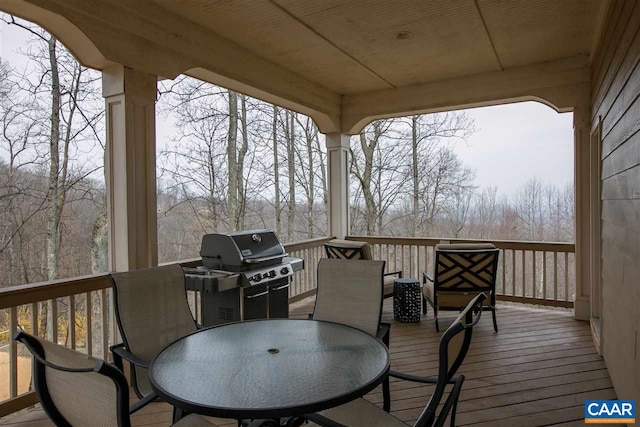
514,142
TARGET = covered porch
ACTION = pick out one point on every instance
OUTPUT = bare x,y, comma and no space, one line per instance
537,371
583,62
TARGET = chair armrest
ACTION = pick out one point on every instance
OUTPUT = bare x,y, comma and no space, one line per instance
393,273
120,353
419,379
384,332
426,277
414,378
142,402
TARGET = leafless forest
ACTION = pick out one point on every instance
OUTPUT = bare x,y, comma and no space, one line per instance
234,163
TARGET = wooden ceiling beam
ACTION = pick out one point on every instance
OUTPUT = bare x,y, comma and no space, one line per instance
560,84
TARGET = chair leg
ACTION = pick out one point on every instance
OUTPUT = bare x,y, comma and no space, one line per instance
178,414
495,324
424,305
435,313
386,395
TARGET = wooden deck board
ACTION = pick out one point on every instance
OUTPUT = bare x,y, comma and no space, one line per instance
537,370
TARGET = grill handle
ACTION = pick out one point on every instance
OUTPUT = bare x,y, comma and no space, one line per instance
267,258
256,295
279,287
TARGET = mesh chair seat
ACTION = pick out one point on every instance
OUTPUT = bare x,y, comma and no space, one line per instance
151,311
78,390
351,293
454,344
360,412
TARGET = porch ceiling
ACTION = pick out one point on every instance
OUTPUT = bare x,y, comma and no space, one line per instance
340,61
351,46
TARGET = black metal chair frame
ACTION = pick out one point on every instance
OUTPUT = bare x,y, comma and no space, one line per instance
437,281
355,253
445,374
101,367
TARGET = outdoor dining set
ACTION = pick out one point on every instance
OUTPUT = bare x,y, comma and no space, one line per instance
262,368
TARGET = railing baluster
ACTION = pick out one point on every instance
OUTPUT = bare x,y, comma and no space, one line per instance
105,324
544,274
53,325
34,319
555,276
524,275
88,336
535,276
71,319
566,277
504,272
13,352
513,272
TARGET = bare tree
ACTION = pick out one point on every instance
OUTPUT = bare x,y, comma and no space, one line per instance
276,171
531,211
379,166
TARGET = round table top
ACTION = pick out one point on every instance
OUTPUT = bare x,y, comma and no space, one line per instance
269,368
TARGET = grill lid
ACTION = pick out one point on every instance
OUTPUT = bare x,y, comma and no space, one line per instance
241,249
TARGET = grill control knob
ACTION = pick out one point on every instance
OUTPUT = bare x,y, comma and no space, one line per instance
272,273
285,270
257,277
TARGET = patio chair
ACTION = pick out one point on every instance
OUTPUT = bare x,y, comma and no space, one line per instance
151,311
78,390
461,272
351,293
351,249
454,344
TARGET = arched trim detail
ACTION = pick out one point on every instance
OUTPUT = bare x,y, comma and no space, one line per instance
64,30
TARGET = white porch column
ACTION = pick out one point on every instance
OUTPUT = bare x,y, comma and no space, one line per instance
338,165
130,163
581,129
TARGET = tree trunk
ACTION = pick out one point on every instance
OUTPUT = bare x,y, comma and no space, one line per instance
309,133
232,190
99,241
276,171
291,164
370,213
53,199
213,182
242,197
414,165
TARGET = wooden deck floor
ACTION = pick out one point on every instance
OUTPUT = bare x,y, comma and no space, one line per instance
538,370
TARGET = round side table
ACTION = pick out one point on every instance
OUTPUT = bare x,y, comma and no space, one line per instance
406,300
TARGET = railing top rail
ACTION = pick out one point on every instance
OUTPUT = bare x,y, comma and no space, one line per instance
502,244
306,244
33,292
14,296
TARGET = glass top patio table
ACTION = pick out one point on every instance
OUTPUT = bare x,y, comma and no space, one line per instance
269,368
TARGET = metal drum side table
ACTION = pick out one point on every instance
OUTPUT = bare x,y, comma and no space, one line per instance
406,300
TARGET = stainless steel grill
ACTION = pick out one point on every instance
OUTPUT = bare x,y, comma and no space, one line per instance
245,275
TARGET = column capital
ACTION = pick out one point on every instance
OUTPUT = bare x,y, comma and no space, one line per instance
338,140
121,80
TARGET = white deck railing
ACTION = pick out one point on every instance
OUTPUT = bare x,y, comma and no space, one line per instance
77,312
